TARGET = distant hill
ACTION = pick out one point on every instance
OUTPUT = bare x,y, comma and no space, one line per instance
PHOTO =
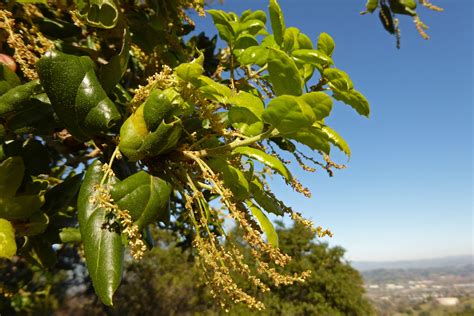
453,261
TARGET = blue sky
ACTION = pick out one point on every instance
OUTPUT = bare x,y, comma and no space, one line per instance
407,192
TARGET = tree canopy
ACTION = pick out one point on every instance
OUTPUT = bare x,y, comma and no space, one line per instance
113,125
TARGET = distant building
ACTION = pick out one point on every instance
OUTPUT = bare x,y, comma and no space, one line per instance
391,286
447,301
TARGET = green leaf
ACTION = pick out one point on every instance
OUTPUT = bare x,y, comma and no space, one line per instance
132,135
284,75
326,43
32,116
277,21
246,112
189,71
312,56
355,99
61,195
243,42
265,200
254,55
99,13
103,247
266,159
11,176
313,137
265,224
164,139
156,108
337,140
14,99
33,1
290,39
15,207
111,73
304,42
371,5
406,7
222,21
76,94
8,79
338,79
252,27
144,196
138,142
70,235
233,178
258,15
320,103
288,114
214,90
7,239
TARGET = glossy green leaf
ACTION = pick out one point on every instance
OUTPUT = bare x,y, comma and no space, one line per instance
252,27
290,39
338,79
138,142
70,235
15,206
326,44
11,176
406,7
111,73
8,79
61,195
255,15
312,56
254,55
222,21
268,160
304,42
103,247
76,94
288,114
189,71
386,18
284,144
14,99
320,103
233,178
144,196
246,112
214,90
243,42
371,5
313,137
7,239
265,200
99,13
337,140
355,99
277,21
284,75
156,108
249,101
163,139
265,224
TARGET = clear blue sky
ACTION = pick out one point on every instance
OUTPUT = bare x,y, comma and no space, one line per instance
407,192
